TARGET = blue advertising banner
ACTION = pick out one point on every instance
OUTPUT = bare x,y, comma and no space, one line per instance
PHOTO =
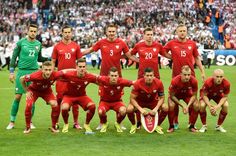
225,57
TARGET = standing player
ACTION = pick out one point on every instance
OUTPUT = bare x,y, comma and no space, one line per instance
76,94
111,90
183,52
40,87
111,50
65,53
183,87
216,88
148,51
28,52
148,92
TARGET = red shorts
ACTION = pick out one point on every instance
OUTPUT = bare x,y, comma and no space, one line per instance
216,99
149,105
45,95
83,101
110,105
61,87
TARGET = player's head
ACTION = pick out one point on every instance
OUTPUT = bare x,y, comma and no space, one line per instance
185,73
47,69
114,75
111,32
181,31
148,75
81,67
66,32
148,34
32,31
218,76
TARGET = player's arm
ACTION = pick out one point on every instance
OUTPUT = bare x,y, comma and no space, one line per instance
191,101
219,105
175,99
199,64
132,57
15,54
136,105
23,82
87,51
161,100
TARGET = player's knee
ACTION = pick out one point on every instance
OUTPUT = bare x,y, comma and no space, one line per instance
18,97
130,109
122,111
225,107
202,106
53,103
164,108
91,107
65,106
101,111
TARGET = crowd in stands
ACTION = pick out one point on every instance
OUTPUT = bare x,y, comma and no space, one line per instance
89,18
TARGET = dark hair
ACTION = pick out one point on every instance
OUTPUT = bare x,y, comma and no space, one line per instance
65,27
147,29
111,25
148,70
113,69
81,60
47,63
33,25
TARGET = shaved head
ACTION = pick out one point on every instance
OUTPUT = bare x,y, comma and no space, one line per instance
218,76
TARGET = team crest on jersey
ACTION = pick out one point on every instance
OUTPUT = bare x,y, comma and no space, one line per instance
86,82
154,91
73,50
38,83
189,47
117,46
149,95
72,82
118,87
175,47
154,49
36,47
189,87
221,91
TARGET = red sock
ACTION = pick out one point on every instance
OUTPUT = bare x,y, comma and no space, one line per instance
221,118
193,117
58,108
119,117
90,113
190,110
176,117
54,115
171,115
102,116
138,116
161,115
75,112
203,116
131,117
28,112
65,115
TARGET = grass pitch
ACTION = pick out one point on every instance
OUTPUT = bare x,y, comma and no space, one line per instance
42,142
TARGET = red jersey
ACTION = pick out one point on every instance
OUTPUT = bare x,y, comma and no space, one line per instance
183,89
66,54
76,85
111,54
183,53
39,83
213,91
148,57
148,94
109,92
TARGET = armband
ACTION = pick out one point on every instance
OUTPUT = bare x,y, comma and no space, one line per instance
11,70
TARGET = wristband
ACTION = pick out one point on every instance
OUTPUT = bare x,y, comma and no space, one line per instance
11,70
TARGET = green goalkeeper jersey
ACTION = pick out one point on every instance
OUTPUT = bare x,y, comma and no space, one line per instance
28,53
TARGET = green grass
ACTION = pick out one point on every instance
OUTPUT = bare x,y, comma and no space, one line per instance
42,142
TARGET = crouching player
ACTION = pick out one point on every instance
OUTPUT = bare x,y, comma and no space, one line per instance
183,87
40,87
147,92
110,91
216,88
76,94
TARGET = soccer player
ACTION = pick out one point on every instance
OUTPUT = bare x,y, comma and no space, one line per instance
65,53
184,52
147,92
111,50
40,87
76,94
28,52
216,88
111,91
183,87
148,51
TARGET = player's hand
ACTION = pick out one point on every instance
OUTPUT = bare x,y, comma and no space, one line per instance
203,77
213,111
185,110
29,95
144,112
12,77
153,112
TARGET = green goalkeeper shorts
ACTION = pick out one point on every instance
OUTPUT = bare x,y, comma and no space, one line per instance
18,86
